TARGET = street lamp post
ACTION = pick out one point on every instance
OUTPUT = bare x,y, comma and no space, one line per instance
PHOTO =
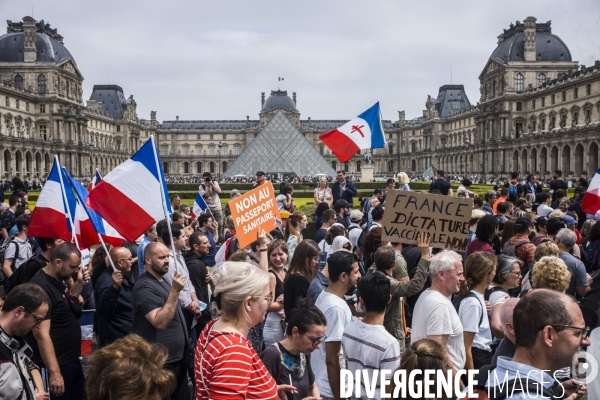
220,146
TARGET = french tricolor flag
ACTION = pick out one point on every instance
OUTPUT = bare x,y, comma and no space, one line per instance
361,133
97,178
88,224
199,206
50,219
132,196
591,201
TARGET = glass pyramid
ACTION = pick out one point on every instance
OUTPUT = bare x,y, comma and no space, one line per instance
281,148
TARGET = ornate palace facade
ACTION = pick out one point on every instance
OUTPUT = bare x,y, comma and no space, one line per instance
42,112
539,111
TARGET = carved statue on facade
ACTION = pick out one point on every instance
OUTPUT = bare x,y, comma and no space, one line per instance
368,159
13,131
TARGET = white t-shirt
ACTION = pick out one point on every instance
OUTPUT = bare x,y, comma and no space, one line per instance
370,347
338,316
434,314
469,313
496,298
543,210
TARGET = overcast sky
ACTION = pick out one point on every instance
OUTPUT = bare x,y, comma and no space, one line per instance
212,59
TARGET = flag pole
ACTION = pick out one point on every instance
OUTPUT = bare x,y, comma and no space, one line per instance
107,253
164,202
64,193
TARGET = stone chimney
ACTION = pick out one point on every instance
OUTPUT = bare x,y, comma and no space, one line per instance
294,98
29,51
500,38
248,118
177,118
262,99
529,37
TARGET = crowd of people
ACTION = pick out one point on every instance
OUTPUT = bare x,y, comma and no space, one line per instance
177,316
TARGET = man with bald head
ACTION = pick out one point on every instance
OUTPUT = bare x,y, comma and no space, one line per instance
549,331
158,316
506,347
113,293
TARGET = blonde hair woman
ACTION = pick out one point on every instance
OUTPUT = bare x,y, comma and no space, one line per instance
323,194
403,180
551,273
225,363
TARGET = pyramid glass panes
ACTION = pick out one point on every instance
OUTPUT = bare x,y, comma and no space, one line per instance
280,147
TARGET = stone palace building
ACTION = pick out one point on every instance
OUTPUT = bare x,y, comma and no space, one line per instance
538,111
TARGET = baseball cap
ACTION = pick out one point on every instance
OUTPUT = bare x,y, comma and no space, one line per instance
260,173
356,215
284,214
523,223
569,220
341,203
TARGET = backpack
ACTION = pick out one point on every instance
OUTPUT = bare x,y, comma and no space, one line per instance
362,235
3,278
19,275
512,189
506,389
593,252
510,249
488,292
458,299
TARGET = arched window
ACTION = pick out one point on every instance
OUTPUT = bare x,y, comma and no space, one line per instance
236,150
211,150
391,147
212,167
358,166
519,80
165,168
413,166
346,166
18,80
224,166
321,149
224,150
334,165
413,147
42,84
541,78
186,168
186,150
198,167
67,89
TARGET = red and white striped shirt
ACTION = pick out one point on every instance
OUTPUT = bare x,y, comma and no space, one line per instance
227,367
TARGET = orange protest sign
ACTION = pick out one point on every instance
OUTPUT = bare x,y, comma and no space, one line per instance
254,210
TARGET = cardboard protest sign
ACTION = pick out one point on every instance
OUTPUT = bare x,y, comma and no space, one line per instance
445,218
254,210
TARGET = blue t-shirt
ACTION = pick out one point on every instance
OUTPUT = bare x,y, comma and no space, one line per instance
209,259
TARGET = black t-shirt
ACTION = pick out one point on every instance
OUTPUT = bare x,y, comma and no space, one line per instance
320,235
558,184
442,185
150,294
63,313
294,289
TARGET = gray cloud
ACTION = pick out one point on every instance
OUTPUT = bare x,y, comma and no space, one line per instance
211,60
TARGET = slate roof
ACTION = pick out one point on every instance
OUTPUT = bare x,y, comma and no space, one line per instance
112,99
48,48
279,99
449,95
548,47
